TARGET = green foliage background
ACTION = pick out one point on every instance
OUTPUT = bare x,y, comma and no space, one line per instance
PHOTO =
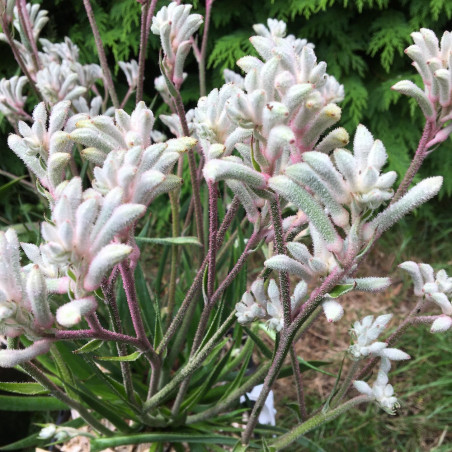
361,40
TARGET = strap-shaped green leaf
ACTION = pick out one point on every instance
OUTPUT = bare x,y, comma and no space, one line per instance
100,444
91,346
38,403
132,357
169,240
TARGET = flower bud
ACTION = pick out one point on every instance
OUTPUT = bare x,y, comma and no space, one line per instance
333,310
441,324
71,313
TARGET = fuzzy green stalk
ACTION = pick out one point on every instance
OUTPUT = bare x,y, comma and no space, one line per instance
110,298
298,383
190,367
316,421
232,398
346,383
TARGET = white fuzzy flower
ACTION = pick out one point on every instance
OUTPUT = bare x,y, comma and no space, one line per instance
175,26
44,148
365,333
12,99
381,391
435,288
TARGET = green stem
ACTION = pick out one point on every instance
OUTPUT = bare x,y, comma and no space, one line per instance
232,398
316,421
298,383
194,364
346,384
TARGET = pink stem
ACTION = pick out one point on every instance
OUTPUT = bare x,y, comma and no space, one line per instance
25,19
146,14
101,52
104,335
419,157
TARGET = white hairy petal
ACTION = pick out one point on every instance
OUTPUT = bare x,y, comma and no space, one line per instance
104,261
410,89
11,358
441,324
394,354
370,284
413,270
363,388
71,313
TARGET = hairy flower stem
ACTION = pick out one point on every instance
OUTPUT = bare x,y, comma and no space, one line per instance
24,19
126,97
101,53
193,170
101,334
201,57
135,313
284,282
17,56
417,161
202,326
190,367
232,398
213,225
146,12
316,421
40,377
298,383
110,298
287,336
173,328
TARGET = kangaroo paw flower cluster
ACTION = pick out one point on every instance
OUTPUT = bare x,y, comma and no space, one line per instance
365,333
265,303
44,147
433,60
12,99
435,288
381,391
175,26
